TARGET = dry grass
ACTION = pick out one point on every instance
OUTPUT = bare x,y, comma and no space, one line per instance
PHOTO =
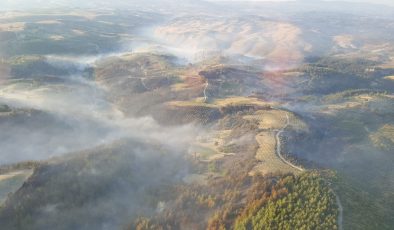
79,32
219,103
297,124
270,119
357,102
194,103
189,80
276,119
344,41
4,71
277,42
10,175
213,137
180,87
384,137
266,154
211,144
56,37
267,144
12,27
389,78
12,14
49,22
334,108
90,15
200,179
288,47
236,101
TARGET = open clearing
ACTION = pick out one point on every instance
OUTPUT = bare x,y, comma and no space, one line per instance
276,119
207,147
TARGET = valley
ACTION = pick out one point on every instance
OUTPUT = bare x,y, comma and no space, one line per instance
162,117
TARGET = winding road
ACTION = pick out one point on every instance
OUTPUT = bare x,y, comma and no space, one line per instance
205,91
340,209
143,84
278,152
279,145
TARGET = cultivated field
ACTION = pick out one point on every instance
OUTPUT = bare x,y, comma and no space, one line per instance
272,122
269,160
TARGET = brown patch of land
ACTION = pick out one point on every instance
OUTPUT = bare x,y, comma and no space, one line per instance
14,174
49,22
12,27
56,37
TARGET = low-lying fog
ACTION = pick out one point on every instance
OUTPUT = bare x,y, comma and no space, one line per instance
51,119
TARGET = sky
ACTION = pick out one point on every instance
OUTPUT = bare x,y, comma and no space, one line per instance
6,5
385,2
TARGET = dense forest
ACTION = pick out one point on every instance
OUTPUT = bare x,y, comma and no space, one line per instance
291,202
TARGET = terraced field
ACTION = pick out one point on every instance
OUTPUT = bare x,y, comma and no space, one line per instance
271,124
274,122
